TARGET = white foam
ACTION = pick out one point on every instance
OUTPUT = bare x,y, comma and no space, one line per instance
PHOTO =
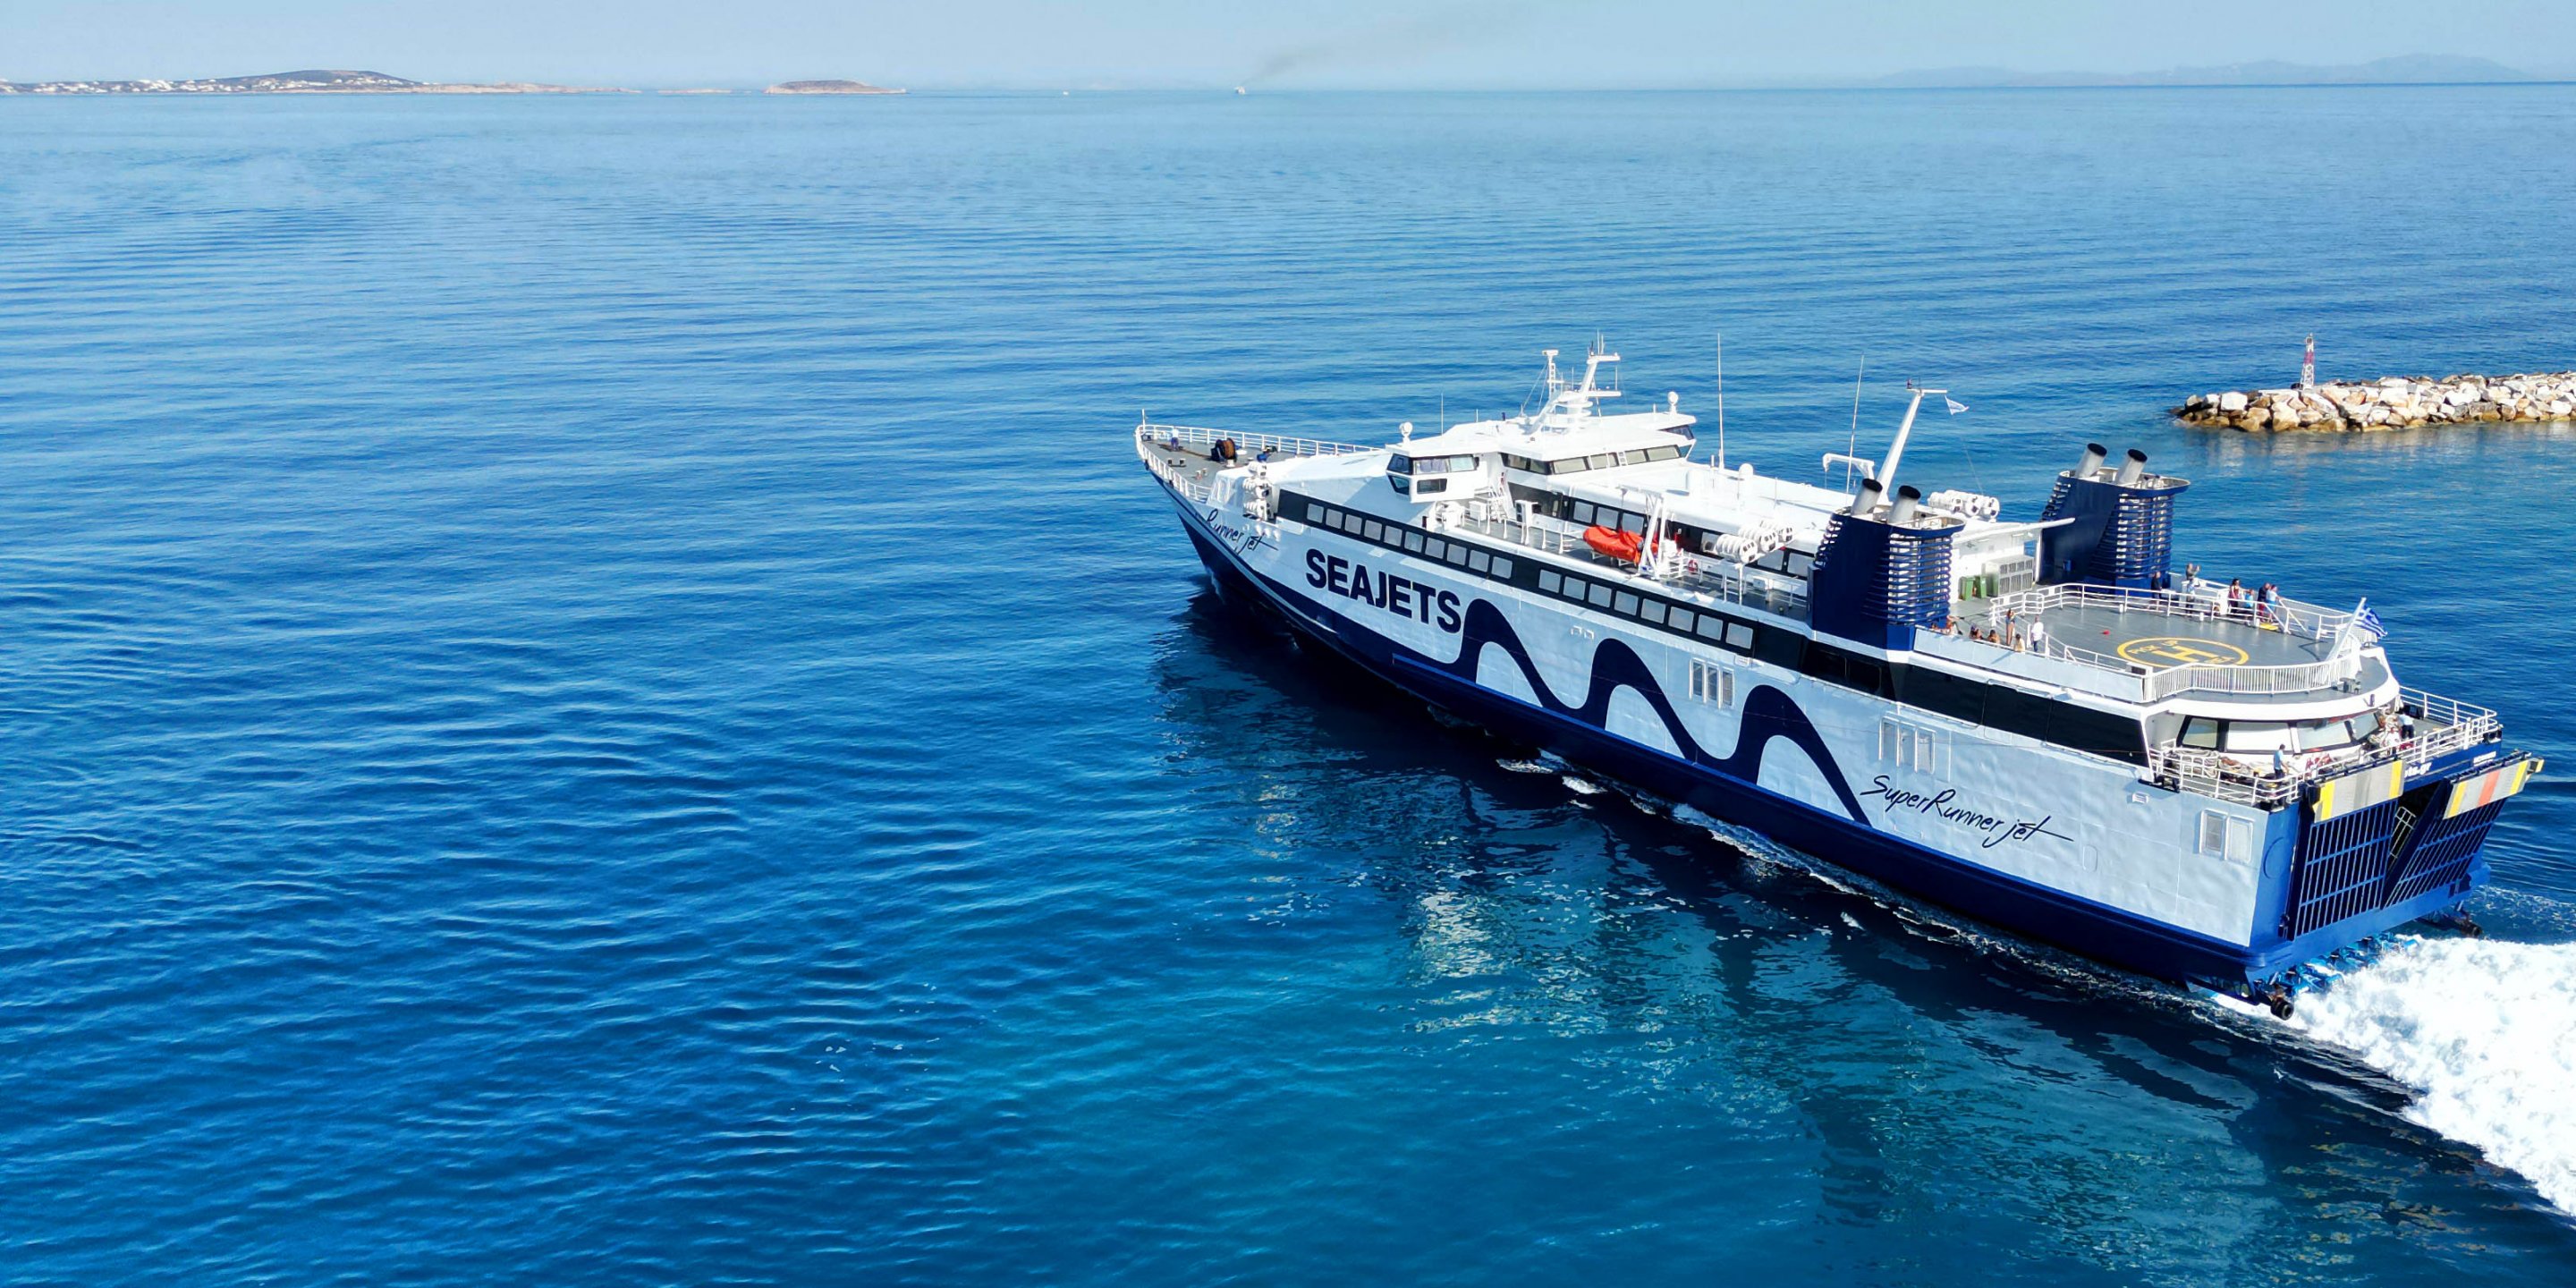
2484,1032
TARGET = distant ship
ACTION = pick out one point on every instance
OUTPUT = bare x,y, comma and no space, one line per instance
2035,723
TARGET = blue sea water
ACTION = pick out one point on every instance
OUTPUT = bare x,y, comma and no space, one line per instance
594,694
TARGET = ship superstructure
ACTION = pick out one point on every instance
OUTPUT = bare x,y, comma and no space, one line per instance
2038,723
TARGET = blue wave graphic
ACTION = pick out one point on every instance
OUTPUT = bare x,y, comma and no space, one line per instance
1769,714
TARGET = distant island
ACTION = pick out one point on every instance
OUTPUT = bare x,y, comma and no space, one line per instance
2417,69
304,82
829,87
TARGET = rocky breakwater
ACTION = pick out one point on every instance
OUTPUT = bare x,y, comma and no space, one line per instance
2398,402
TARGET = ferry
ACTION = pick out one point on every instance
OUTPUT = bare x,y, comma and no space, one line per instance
2036,723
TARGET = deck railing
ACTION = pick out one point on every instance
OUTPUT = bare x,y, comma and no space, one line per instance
1249,444
2306,621
2199,601
2442,726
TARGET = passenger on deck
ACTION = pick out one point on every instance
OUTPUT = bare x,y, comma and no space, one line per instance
1262,455
2237,603
2039,636
1223,453
2269,599
1174,442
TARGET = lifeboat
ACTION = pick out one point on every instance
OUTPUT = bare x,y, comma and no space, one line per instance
1618,543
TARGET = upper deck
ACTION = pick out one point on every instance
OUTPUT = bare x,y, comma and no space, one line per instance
2129,646
2259,697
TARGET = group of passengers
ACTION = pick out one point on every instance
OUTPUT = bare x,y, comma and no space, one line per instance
2005,632
1224,452
2261,606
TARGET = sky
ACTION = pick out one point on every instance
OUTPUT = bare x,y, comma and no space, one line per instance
1320,44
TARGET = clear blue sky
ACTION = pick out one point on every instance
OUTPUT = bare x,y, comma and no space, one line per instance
1319,43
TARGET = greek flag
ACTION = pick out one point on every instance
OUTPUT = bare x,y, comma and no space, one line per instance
2369,621
1956,406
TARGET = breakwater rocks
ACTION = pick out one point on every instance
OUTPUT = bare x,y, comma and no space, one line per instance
2398,402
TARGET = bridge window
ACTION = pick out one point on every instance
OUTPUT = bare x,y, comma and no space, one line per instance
2256,735
2224,836
1712,684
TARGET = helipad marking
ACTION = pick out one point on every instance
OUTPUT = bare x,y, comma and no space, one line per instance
2182,650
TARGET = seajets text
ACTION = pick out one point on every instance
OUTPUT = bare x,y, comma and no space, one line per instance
1383,590
1942,805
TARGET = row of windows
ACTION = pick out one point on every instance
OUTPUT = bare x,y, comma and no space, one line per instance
1412,540
1400,464
2275,735
1653,612
1596,461
1607,516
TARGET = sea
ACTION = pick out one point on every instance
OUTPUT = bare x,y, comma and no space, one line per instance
591,692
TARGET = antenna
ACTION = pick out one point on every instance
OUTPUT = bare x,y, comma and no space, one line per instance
1721,401
1855,425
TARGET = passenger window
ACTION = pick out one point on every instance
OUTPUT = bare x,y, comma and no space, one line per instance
1681,620
1600,595
1503,569
1425,487
1580,512
1413,542
1739,635
1376,530
1548,581
1653,611
1479,560
2200,731
1458,554
1712,628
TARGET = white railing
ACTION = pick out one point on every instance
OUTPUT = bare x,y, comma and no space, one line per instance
2295,677
2200,601
2158,683
1249,445
2442,726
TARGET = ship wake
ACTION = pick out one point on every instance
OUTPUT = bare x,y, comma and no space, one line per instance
2483,1032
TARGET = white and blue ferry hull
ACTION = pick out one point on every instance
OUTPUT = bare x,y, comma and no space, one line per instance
2057,847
